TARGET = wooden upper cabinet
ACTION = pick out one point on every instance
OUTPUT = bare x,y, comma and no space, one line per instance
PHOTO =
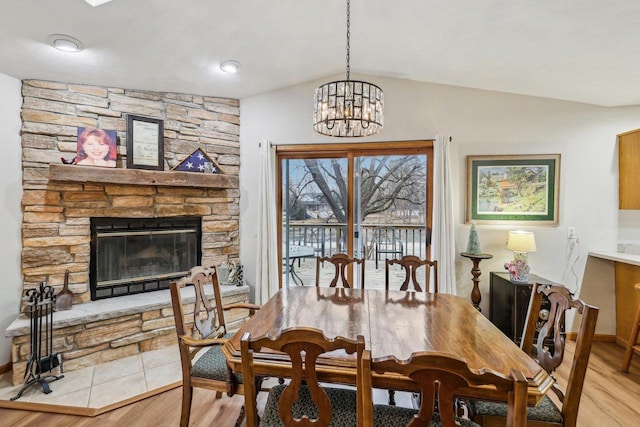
629,169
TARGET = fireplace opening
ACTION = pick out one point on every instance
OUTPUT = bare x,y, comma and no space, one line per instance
134,255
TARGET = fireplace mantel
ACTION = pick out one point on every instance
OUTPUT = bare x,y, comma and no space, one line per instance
74,173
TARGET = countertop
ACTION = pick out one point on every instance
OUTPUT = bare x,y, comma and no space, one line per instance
626,258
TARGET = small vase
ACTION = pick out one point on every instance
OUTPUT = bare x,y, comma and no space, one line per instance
519,271
473,244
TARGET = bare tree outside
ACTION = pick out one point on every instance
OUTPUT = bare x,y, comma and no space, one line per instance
394,185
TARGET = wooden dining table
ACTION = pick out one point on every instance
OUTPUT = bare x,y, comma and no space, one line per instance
393,323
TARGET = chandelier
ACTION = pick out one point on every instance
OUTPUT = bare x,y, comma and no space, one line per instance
348,108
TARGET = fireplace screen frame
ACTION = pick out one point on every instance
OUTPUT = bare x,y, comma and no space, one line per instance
135,226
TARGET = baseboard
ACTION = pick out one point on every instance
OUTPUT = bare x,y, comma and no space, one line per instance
83,411
6,368
597,337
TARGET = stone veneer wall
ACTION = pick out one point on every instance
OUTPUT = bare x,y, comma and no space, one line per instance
56,215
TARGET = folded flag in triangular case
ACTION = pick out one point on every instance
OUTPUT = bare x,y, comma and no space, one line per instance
198,161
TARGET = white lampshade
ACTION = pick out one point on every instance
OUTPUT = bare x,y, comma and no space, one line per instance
521,241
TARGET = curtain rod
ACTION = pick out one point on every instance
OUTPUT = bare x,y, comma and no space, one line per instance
280,144
272,144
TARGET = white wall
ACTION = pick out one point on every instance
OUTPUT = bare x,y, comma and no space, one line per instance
10,211
480,122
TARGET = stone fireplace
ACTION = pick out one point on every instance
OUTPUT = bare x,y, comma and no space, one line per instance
62,204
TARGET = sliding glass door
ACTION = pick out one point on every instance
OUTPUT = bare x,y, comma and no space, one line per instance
314,215
370,201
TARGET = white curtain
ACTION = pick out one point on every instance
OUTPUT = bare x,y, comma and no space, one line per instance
267,253
443,249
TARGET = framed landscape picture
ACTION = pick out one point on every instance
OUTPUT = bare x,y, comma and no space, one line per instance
521,189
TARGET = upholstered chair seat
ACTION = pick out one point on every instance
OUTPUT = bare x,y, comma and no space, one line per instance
212,365
343,403
393,416
546,410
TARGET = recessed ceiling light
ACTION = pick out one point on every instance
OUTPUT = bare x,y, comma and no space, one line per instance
230,66
96,3
65,43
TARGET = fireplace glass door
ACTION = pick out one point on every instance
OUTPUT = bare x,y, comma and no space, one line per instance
131,255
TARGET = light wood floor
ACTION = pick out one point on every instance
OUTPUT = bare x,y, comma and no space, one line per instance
610,399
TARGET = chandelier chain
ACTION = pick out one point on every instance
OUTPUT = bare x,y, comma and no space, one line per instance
348,108
348,37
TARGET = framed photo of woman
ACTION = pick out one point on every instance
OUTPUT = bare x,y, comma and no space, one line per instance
145,143
96,147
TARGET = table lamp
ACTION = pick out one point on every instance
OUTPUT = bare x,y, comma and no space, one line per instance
521,243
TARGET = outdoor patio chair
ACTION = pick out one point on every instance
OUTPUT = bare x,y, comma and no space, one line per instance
387,242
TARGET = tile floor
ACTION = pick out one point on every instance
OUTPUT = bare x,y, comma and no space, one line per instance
108,384
104,384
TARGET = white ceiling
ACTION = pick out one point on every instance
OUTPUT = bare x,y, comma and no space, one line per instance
578,50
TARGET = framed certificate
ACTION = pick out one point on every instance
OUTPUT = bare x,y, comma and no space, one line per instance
145,143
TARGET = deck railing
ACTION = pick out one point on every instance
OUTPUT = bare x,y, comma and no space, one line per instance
328,239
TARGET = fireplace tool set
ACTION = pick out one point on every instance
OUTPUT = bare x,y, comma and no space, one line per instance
40,305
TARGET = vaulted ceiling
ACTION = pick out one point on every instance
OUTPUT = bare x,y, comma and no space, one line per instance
578,50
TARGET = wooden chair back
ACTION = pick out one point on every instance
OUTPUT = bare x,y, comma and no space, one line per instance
340,263
440,377
209,322
303,346
553,328
410,264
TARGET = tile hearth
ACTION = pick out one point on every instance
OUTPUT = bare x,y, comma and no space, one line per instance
103,387
101,331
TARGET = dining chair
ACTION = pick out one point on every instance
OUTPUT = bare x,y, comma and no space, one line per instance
340,262
206,330
410,264
440,378
549,357
633,338
304,401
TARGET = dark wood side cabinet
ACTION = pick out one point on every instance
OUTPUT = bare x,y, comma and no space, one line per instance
509,302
